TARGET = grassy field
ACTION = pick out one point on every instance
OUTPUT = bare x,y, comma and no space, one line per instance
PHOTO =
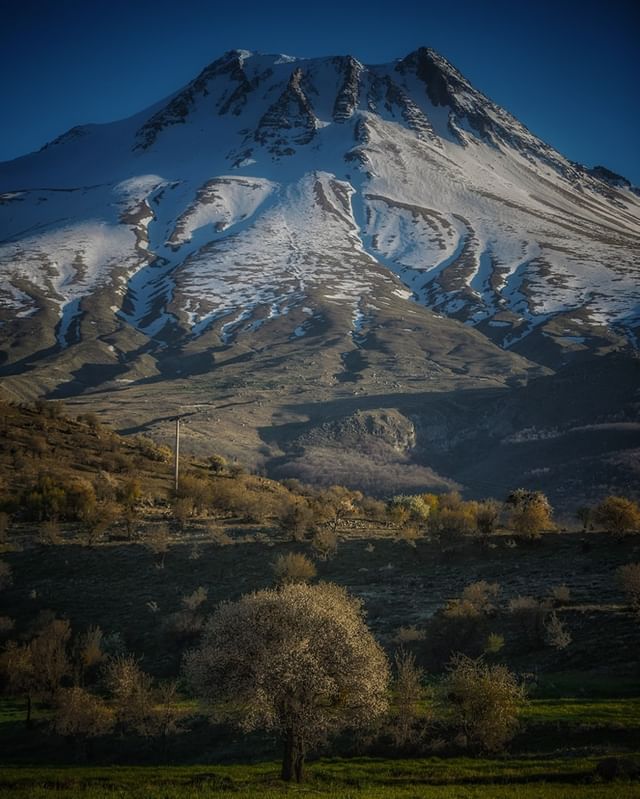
584,699
600,712
433,778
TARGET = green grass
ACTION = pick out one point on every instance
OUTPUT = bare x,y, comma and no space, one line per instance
600,712
433,778
14,711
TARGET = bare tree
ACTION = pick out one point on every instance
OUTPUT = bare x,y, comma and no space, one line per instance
87,653
299,660
408,693
16,664
37,669
49,651
131,690
140,706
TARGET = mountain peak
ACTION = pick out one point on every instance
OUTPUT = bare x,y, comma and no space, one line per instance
398,173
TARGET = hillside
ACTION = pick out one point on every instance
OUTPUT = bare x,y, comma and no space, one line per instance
286,242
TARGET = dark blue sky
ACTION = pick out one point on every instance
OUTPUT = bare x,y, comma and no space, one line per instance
569,70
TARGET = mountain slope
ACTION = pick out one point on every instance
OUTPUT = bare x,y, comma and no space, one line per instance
320,226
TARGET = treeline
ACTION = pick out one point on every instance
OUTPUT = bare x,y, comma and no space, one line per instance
55,469
297,661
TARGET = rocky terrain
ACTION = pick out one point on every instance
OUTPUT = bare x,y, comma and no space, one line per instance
360,274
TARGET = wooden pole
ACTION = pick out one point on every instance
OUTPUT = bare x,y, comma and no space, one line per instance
177,463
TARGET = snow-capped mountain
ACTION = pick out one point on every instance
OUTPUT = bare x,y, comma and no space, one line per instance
300,231
270,184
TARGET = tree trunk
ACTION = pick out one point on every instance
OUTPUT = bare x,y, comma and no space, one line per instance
288,757
299,761
28,720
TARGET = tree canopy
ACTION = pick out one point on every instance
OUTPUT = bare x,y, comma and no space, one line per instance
299,661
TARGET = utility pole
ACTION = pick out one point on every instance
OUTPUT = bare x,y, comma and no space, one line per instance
177,451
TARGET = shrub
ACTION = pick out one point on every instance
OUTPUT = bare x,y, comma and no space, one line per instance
560,594
154,452
481,594
196,491
487,516
530,512
181,510
140,706
52,409
193,601
407,635
90,419
454,520
494,644
79,715
296,518
257,507
217,464
235,469
217,536
228,495
293,568
36,445
415,506
410,533
131,691
49,533
80,499
106,487
99,520
484,702
556,633
618,515
477,600
462,625
373,509
44,500
335,504
158,541
324,543
450,501
130,492
88,652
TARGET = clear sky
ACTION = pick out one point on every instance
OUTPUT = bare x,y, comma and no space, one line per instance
568,69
